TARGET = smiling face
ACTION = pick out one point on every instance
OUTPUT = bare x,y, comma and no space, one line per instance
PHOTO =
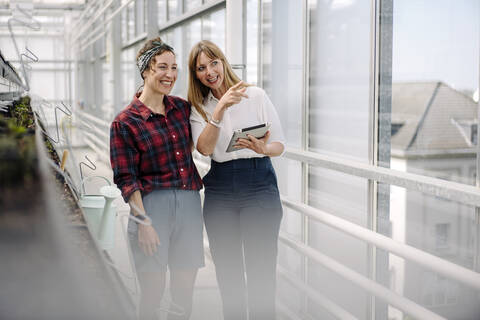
162,74
210,71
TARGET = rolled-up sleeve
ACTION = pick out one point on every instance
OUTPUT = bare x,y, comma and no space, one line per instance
124,158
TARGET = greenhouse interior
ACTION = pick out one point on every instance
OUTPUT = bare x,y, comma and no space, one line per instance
378,178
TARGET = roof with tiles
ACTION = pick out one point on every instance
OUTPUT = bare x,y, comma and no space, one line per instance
429,116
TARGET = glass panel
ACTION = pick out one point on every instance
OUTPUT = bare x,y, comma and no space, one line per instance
252,41
192,34
218,28
48,21
191,4
176,41
289,176
90,85
282,79
140,17
162,12
282,75
128,73
434,111
131,21
442,228
37,84
339,113
124,16
49,68
213,28
173,9
428,111
100,46
283,64
167,37
339,78
107,106
289,265
334,287
145,15
45,48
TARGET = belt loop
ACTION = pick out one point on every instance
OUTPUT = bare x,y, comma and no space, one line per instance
256,163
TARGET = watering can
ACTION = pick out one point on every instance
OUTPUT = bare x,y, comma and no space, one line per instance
100,213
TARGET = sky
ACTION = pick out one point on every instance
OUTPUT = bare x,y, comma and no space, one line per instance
437,40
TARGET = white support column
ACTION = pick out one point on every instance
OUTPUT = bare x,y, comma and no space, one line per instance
235,35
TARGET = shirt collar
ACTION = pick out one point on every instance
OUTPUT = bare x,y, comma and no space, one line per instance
145,112
211,97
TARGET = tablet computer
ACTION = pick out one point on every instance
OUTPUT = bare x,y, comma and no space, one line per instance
257,131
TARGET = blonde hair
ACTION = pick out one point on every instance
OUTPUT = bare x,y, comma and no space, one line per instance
196,90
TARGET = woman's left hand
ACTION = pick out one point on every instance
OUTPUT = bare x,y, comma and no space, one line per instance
257,145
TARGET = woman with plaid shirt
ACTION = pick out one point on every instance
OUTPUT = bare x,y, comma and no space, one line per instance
150,152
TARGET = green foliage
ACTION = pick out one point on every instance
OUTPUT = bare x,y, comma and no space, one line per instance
17,145
18,159
49,146
22,112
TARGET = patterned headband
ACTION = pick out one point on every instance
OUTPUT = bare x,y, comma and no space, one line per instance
144,60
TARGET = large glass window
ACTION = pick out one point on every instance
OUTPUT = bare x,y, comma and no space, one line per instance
210,26
339,111
50,69
433,105
282,68
429,108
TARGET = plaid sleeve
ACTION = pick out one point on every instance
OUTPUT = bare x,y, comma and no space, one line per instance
188,109
124,158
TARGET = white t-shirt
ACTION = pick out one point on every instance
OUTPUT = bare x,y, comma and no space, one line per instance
251,111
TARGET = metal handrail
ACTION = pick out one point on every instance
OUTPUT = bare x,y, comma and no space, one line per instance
103,143
105,21
334,309
369,285
90,22
449,190
449,269
93,118
287,312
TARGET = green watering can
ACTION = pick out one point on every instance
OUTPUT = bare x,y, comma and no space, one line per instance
100,213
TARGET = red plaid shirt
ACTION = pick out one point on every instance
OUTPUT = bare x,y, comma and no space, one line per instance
150,151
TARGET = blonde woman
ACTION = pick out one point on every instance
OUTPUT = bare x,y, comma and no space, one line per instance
242,209
150,153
